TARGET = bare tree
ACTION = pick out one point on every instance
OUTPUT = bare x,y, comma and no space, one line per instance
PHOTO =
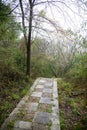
29,15
32,4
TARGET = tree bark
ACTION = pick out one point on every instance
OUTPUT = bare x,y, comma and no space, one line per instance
23,22
29,41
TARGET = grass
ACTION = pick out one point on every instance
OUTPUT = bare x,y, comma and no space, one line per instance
73,114
13,86
48,110
49,125
10,100
45,107
10,125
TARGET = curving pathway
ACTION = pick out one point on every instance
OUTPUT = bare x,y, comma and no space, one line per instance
38,110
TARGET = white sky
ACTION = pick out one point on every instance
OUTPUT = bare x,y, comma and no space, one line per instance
66,13
70,17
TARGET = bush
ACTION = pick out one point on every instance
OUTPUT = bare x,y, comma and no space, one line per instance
40,67
78,72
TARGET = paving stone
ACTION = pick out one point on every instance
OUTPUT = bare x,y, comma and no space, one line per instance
37,126
55,94
46,100
54,119
48,95
17,129
21,129
30,107
42,117
55,127
47,90
40,86
22,102
55,102
38,90
55,109
42,81
47,87
48,80
34,99
22,125
49,84
44,107
29,116
36,94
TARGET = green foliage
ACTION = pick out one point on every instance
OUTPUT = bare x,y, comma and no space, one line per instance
49,110
19,60
72,112
14,84
9,28
4,11
24,91
10,125
62,121
79,70
13,57
15,96
6,105
40,67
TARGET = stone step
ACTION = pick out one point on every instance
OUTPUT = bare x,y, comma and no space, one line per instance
38,110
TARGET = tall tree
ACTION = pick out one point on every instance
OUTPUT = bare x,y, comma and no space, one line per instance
32,4
28,14
28,39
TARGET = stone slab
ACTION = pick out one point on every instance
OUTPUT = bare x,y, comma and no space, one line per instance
17,129
55,102
47,87
55,127
40,86
37,126
36,94
46,90
55,95
49,84
21,129
54,119
55,109
42,117
46,100
22,125
48,80
42,81
30,107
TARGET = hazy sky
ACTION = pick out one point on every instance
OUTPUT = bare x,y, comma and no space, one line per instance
68,13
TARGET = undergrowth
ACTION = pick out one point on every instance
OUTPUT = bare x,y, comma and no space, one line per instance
14,84
73,105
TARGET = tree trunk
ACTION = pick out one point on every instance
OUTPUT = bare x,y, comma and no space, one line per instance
29,42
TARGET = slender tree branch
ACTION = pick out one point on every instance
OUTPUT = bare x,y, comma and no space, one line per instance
23,20
7,14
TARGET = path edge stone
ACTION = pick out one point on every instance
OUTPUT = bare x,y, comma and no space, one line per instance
55,125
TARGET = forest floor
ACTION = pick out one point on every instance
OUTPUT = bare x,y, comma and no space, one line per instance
73,105
13,86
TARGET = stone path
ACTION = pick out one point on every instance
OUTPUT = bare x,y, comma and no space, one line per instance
38,110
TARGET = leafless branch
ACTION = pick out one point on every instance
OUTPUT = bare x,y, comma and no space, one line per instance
23,19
